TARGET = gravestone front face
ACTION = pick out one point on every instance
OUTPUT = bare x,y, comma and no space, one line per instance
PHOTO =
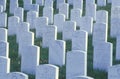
40,24
115,3
76,64
48,3
49,35
30,59
100,33
26,38
102,58
3,20
4,49
75,16
70,2
47,71
115,21
68,28
114,72
109,1
17,75
57,53
13,5
3,34
64,9
22,27
118,48
27,4
78,4
48,12
19,12
86,23
80,40
59,19
34,7
12,24
101,2
4,65
91,11
102,16
40,2
31,16
59,2
3,3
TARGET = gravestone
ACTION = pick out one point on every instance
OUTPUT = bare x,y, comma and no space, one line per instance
12,24
101,2
59,19
49,35
1,8
22,27
115,21
47,71
100,33
3,34
59,2
26,4
91,10
82,77
13,5
76,64
57,53
78,4
48,12
4,65
17,75
3,19
86,23
102,58
3,3
114,72
70,2
90,2
115,3
31,16
26,38
75,16
64,9
102,16
30,59
34,7
80,40
118,48
40,24
40,2
20,13
68,28
48,3
4,49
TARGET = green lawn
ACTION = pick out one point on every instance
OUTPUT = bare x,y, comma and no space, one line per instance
15,59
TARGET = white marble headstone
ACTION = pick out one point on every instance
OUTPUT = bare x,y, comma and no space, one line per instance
80,40
40,2
40,24
31,16
13,5
101,2
47,71
30,59
57,53
3,3
59,19
103,55
4,49
48,12
3,19
68,28
76,64
3,34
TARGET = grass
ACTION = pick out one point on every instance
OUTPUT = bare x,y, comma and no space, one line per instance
15,59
